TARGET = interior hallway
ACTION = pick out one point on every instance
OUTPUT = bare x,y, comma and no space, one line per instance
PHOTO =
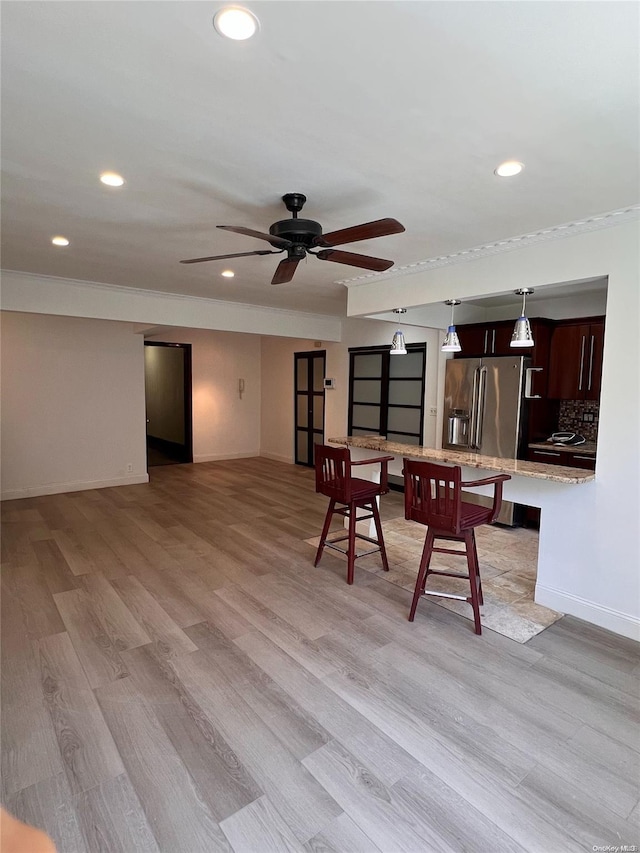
177,676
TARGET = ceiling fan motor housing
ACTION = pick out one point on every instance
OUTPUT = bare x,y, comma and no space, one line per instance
300,231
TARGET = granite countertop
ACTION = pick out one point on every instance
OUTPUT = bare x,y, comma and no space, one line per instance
587,449
520,467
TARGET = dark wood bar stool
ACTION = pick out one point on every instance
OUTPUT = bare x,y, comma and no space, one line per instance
433,496
346,495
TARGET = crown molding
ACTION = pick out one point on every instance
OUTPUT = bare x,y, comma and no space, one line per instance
555,232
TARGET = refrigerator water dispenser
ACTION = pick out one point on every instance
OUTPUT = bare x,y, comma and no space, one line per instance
458,432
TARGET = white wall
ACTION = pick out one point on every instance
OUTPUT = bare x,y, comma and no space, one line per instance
72,405
589,562
277,382
224,425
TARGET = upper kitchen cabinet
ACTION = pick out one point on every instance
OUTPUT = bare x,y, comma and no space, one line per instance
575,369
478,339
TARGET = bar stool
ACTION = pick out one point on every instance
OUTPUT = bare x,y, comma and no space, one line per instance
433,496
333,479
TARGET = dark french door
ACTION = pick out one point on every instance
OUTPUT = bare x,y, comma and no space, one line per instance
309,404
386,393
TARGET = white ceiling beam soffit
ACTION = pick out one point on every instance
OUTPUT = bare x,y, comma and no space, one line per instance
43,294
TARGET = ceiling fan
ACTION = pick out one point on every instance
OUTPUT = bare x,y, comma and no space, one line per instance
299,237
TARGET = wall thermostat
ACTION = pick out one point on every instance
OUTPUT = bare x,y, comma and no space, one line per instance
329,383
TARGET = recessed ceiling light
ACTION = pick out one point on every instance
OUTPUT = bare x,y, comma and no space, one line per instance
509,169
112,179
227,273
235,23
59,241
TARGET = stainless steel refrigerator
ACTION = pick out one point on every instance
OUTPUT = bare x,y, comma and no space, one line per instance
485,402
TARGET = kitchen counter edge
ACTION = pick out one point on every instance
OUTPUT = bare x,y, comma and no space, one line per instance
518,467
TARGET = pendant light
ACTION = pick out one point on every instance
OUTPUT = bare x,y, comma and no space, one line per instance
451,341
398,346
522,336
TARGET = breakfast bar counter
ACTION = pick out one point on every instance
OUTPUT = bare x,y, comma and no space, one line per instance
515,467
551,488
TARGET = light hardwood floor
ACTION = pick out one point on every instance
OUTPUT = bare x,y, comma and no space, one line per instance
177,676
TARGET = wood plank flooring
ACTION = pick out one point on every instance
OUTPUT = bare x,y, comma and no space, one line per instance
178,677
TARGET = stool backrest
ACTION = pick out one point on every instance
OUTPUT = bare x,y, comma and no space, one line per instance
333,472
432,494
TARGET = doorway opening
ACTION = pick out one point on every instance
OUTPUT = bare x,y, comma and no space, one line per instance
167,382
309,370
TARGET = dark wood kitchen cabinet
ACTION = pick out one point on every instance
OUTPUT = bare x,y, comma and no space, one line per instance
478,339
575,365
562,457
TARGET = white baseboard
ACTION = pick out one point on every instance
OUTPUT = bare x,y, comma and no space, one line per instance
73,486
597,614
220,457
277,457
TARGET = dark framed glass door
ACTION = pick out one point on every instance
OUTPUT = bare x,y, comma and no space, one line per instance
386,393
309,392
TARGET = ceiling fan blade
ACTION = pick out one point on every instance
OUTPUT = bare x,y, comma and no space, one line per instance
236,255
366,231
353,260
280,242
285,270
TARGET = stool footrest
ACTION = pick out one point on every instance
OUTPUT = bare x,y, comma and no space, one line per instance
448,574
447,595
450,551
331,544
347,514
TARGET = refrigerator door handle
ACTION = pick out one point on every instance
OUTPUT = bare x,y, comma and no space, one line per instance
474,408
528,383
482,383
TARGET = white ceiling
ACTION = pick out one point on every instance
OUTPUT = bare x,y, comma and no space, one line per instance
372,109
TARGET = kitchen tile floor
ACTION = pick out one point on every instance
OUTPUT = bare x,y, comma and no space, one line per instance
508,564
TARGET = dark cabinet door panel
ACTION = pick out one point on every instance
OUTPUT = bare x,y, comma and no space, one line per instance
575,369
561,457
593,364
474,341
566,367
501,335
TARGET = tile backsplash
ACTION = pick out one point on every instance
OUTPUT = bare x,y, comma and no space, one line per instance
572,414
